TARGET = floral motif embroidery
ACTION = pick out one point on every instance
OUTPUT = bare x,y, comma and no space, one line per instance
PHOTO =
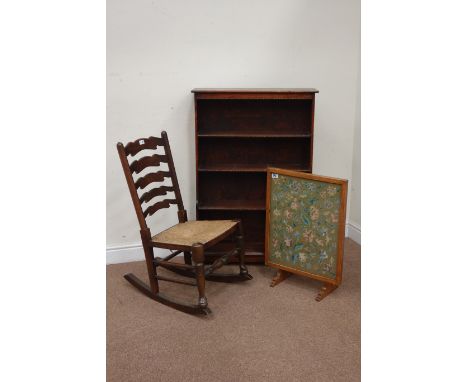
304,224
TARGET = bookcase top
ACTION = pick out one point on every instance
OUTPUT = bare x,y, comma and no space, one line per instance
254,90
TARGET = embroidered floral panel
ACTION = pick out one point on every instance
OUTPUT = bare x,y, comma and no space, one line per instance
304,216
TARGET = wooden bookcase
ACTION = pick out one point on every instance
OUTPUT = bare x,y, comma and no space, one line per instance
238,134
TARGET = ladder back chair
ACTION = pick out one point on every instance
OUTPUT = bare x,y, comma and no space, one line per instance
191,238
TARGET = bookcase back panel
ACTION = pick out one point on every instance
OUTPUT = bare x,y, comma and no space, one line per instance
245,153
270,117
232,190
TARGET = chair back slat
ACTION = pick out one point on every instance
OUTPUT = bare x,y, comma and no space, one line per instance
155,160
138,165
158,191
151,178
133,148
166,203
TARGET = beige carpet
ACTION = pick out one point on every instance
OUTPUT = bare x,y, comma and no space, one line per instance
256,333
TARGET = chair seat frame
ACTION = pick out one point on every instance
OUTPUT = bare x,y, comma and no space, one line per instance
194,256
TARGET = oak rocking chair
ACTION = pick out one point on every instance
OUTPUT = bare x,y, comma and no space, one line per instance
189,237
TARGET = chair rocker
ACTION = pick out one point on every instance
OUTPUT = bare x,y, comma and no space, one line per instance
191,238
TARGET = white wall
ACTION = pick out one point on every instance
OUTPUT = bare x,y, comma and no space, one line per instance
158,50
355,202
354,215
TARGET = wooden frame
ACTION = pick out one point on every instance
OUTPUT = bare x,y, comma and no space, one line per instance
194,252
284,270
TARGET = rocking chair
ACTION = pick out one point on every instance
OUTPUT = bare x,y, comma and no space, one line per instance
189,237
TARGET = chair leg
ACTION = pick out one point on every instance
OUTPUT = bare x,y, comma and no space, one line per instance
198,256
241,250
187,258
149,257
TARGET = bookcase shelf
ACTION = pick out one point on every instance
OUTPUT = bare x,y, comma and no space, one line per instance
247,168
236,205
239,133
246,135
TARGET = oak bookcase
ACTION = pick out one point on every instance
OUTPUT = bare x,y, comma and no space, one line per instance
238,134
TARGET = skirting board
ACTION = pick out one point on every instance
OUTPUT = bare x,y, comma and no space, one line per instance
124,254
129,253
134,252
353,231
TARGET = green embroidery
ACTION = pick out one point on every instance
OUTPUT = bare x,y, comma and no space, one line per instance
304,218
